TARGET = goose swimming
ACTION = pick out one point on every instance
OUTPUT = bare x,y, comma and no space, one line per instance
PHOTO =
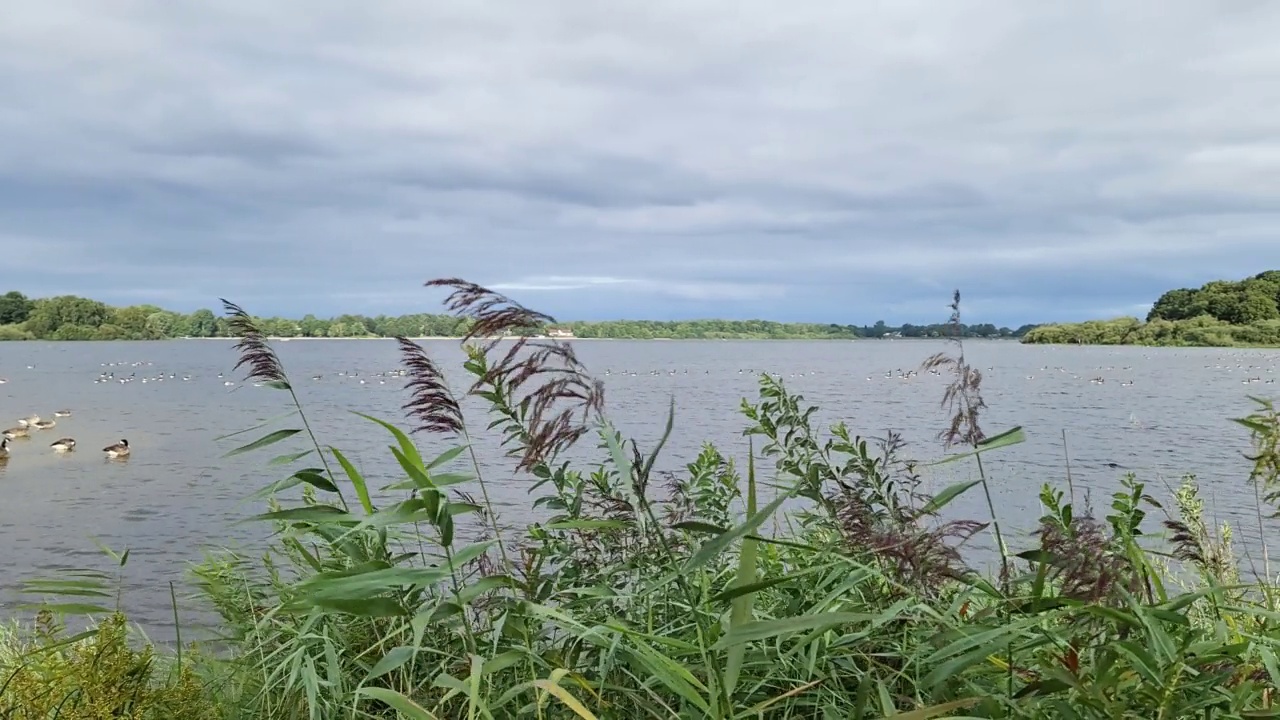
43,424
63,444
62,413
16,432
119,450
4,448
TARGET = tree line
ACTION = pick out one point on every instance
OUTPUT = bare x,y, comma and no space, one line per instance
68,317
1221,313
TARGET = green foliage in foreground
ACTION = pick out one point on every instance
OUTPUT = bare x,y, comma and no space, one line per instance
698,595
74,318
1218,314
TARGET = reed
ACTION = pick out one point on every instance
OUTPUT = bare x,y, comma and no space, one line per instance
648,593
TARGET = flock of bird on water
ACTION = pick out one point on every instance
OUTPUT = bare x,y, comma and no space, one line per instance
30,425
34,423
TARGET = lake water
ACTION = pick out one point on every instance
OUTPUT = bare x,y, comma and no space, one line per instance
1160,413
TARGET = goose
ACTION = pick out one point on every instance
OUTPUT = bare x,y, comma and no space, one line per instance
62,413
43,424
29,420
16,432
4,448
63,444
119,450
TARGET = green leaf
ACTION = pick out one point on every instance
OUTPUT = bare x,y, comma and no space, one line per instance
936,711
315,478
444,479
259,426
719,543
587,525
416,472
625,471
741,612
277,385
406,445
264,441
944,498
308,513
446,456
1004,439
392,661
735,590
699,526
286,459
68,608
398,701
789,626
357,480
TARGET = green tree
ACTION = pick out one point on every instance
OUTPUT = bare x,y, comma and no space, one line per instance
1174,305
51,314
14,308
203,323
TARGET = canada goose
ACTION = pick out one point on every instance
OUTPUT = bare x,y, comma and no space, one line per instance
16,432
63,444
119,450
4,448
62,413
43,424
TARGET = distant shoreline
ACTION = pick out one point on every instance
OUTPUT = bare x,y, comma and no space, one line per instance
573,339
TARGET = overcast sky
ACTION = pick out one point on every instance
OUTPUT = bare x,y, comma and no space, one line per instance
832,161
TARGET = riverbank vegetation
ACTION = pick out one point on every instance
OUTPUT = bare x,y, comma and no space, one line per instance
803,574
74,318
1218,314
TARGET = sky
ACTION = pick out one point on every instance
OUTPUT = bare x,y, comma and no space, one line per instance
828,161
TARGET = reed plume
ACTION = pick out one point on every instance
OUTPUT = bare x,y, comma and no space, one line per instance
431,405
252,347
544,378
963,396
1087,568
926,558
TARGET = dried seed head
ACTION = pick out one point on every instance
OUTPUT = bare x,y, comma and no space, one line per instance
544,377
963,396
1085,566
254,351
917,556
431,403
493,315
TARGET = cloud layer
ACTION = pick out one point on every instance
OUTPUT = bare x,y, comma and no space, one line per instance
840,162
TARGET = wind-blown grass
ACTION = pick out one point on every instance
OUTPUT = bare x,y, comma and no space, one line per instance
687,595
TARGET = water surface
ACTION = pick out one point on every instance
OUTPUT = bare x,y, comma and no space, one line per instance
1159,413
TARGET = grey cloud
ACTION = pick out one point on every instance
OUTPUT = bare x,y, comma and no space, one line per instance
833,161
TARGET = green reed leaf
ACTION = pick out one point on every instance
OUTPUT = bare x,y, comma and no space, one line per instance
286,459
446,456
395,658
761,630
357,480
944,498
264,441
741,613
407,448
1005,439
308,513
397,701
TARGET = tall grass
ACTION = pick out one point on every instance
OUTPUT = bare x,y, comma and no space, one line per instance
645,594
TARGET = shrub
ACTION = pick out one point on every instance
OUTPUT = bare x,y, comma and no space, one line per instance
97,676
